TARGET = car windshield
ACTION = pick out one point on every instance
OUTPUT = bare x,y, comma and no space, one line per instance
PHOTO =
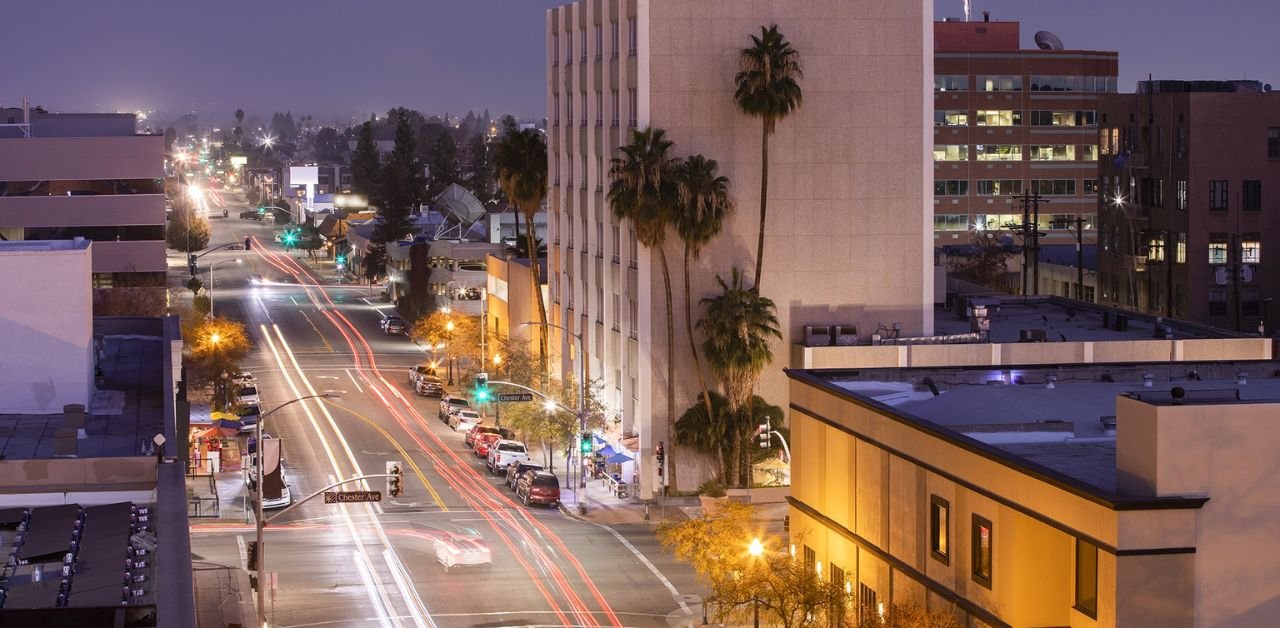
546,481
246,392
248,410
468,415
461,403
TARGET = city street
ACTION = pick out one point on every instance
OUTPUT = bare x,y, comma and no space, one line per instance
375,564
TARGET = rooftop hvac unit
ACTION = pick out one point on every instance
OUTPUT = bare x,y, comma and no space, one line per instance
1031,335
817,336
846,335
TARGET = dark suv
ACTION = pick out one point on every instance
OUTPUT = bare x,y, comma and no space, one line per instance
538,487
393,326
250,215
518,469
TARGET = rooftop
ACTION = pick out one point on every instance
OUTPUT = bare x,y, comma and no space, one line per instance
27,246
1063,320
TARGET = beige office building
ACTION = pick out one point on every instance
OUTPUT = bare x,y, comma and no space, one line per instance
848,238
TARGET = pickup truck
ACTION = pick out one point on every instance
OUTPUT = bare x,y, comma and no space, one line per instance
506,452
450,404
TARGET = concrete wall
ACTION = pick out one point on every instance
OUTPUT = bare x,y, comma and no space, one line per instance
1227,452
63,158
46,327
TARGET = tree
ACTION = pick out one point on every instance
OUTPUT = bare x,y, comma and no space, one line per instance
328,145
460,334
713,434
522,248
187,232
520,161
195,286
402,186
901,615
481,180
642,191
375,261
443,164
703,205
217,345
738,324
767,87
365,164
985,265
170,136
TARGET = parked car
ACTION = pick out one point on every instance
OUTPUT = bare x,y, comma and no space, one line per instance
450,404
538,487
393,326
482,443
429,386
464,420
470,439
505,452
248,396
244,378
251,215
248,417
518,469
465,548
418,371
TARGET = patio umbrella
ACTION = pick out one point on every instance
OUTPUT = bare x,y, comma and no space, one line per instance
219,432
774,464
233,424
606,451
618,458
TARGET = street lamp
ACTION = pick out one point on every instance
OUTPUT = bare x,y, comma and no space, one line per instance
257,463
755,549
582,389
211,267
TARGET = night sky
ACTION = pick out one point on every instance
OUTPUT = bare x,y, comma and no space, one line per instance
343,57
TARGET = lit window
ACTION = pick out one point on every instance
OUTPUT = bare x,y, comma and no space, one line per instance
1052,152
1182,194
1218,249
1002,187
981,551
999,152
950,152
1182,249
1087,578
999,117
1251,249
999,83
950,118
1088,152
939,528
953,187
950,222
950,83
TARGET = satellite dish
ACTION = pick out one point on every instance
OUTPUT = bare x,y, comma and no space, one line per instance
1048,41
458,203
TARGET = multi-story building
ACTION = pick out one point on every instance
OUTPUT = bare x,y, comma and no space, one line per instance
1011,123
1184,224
848,234
64,176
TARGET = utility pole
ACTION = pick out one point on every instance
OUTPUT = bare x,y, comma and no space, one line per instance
1079,257
1031,239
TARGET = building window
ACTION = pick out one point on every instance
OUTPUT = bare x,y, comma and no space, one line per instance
998,152
957,117
635,252
613,39
1181,249
599,42
1250,301
582,44
1181,193
614,99
1251,249
1088,152
952,187
982,551
950,222
599,108
1218,195
600,180
635,318
940,528
555,106
1087,578
1063,118
999,83
999,117
1001,187
950,152
1090,186
1217,302
555,50
584,109
1218,248
1273,143
1053,187
810,559
1155,247
1052,152
568,112
584,186
568,49
1180,142
1251,198
950,83
633,106
632,36
617,248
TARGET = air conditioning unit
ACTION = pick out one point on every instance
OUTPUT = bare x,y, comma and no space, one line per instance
817,336
846,335
1031,335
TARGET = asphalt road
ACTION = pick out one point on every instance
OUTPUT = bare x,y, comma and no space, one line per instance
365,564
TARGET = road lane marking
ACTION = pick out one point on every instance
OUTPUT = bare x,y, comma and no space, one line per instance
317,329
353,381
404,454
244,552
675,593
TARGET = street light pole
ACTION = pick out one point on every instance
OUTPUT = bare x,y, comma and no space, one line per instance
582,391
755,549
257,463
211,266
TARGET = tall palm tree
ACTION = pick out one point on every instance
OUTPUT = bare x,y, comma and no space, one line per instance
738,324
704,204
768,88
642,191
520,162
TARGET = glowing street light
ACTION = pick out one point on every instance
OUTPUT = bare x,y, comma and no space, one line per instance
549,405
756,548
215,338
497,360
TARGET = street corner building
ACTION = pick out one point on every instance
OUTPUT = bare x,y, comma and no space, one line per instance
1126,494
847,239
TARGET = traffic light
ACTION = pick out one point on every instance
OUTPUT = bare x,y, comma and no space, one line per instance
662,456
248,244
585,443
290,238
191,263
341,261
251,551
395,483
482,387
764,435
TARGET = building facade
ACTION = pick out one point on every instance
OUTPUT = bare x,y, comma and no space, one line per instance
1012,123
64,176
847,238
1185,224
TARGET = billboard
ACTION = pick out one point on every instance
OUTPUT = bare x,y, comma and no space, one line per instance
239,161
304,175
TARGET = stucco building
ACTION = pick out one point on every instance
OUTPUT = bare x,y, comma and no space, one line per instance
848,232
1185,224
86,175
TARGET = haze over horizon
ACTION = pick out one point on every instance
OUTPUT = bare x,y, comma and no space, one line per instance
336,60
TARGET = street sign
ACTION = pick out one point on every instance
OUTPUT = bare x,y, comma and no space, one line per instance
347,497
515,396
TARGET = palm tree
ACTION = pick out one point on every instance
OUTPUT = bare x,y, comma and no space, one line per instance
704,204
642,191
738,324
520,161
767,88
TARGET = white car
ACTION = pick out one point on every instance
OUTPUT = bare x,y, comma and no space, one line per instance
464,420
248,396
243,379
465,548
251,481
506,452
